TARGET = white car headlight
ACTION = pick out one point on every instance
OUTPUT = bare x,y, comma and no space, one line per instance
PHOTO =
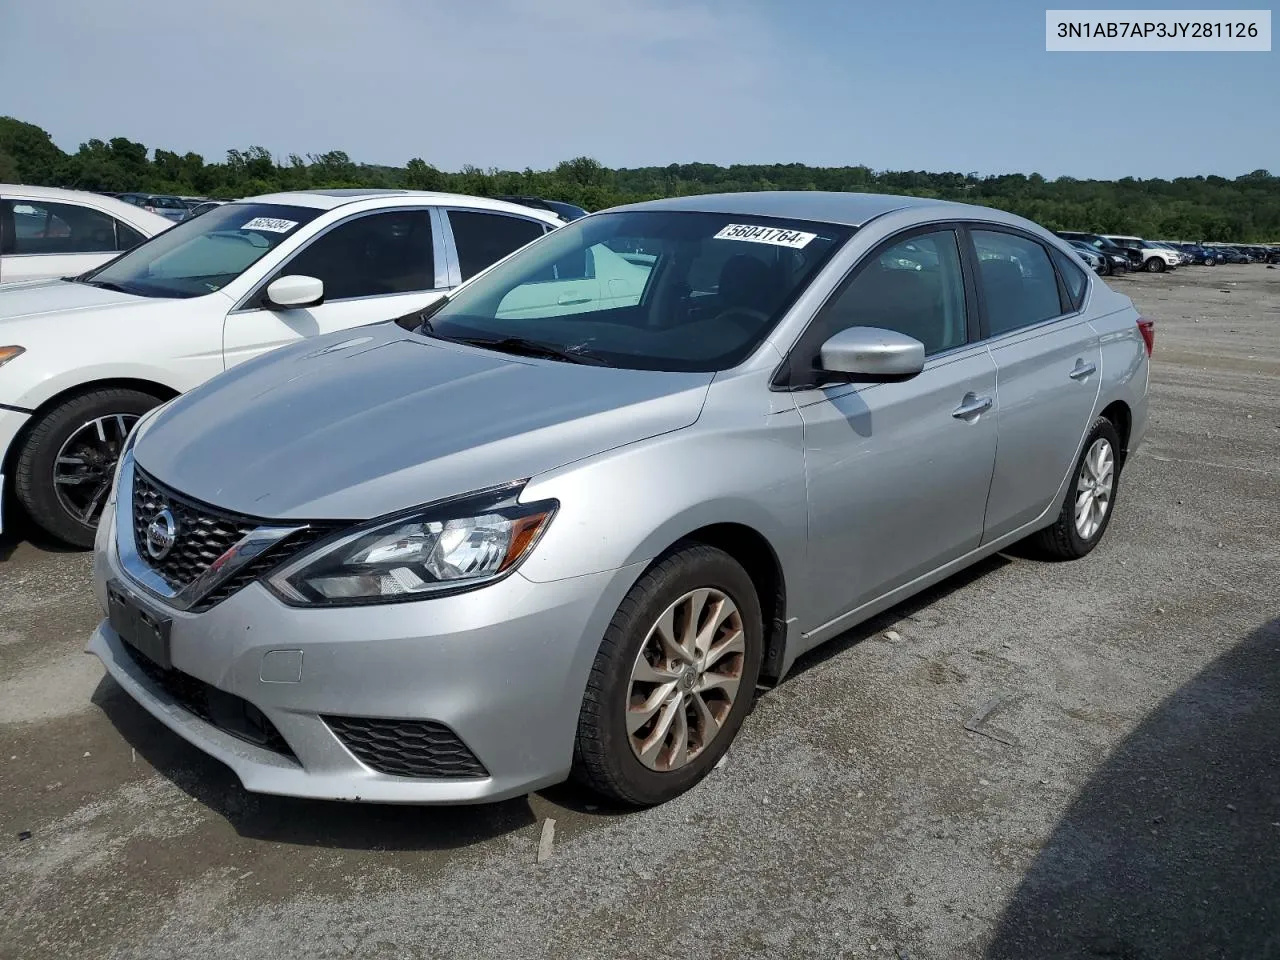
447,547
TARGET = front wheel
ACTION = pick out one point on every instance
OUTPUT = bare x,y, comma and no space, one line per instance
64,470
1086,512
1155,265
673,679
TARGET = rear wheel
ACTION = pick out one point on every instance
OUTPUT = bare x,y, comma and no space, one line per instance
673,680
1155,265
1086,512
64,470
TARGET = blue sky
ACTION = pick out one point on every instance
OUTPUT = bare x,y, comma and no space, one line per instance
930,84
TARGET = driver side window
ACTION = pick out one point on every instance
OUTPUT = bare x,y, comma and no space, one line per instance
914,287
369,256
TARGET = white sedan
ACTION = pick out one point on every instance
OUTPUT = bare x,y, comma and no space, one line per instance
82,359
47,232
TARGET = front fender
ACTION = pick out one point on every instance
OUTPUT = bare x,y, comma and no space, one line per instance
628,505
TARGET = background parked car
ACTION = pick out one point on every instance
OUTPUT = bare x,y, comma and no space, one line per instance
47,232
171,208
566,211
1092,256
204,207
1200,255
1117,257
1152,258
207,294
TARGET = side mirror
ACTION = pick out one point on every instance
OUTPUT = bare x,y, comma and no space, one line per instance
871,354
295,291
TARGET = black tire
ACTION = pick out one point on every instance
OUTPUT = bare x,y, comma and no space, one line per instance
1063,540
1154,265
603,758
1108,268
34,468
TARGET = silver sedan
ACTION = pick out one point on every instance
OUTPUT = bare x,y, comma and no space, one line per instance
566,521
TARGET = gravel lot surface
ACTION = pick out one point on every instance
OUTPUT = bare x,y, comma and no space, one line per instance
1123,800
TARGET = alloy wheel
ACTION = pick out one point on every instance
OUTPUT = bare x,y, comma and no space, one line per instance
685,679
1094,488
86,463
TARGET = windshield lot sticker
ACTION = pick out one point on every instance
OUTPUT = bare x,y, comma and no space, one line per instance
773,235
270,224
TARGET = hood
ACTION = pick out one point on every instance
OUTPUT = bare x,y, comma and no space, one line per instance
363,423
34,298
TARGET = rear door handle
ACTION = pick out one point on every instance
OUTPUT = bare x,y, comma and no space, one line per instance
972,407
568,300
1083,370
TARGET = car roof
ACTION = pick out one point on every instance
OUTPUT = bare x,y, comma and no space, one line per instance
852,209
119,209
332,199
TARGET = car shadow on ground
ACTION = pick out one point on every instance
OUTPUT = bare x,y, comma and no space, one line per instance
1172,850
321,823
19,530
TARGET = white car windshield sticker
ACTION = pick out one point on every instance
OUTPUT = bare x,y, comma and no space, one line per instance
774,235
270,224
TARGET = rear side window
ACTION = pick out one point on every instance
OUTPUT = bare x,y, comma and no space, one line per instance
482,239
377,254
1019,286
35,227
1076,280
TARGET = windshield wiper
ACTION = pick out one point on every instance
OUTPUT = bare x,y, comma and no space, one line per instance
529,348
106,285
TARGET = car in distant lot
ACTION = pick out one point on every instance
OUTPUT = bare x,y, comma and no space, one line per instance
204,207
1229,254
48,232
1117,257
472,552
82,358
1152,257
566,211
1200,255
1096,259
171,208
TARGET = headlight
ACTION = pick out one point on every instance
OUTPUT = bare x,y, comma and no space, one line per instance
443,548
10,352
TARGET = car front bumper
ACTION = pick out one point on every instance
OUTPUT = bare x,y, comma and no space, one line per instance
503,668
11,424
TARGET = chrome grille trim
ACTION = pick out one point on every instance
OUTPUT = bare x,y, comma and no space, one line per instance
183,596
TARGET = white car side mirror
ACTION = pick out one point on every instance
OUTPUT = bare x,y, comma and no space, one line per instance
295,291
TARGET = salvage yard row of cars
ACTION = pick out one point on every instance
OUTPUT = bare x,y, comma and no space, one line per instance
1107,253
413,497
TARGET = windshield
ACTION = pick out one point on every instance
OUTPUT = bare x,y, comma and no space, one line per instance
204,254
648,290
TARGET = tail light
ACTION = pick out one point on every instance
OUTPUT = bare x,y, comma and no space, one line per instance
1147,328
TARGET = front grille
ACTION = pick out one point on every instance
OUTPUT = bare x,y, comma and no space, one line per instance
204,534
407,748
226,711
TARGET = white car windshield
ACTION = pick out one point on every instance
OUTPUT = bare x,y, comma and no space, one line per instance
648,290
204,254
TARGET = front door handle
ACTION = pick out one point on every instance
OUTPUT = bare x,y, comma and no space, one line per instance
1083,370
569,300
972,407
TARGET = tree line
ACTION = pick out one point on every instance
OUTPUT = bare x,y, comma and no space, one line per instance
1245,208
